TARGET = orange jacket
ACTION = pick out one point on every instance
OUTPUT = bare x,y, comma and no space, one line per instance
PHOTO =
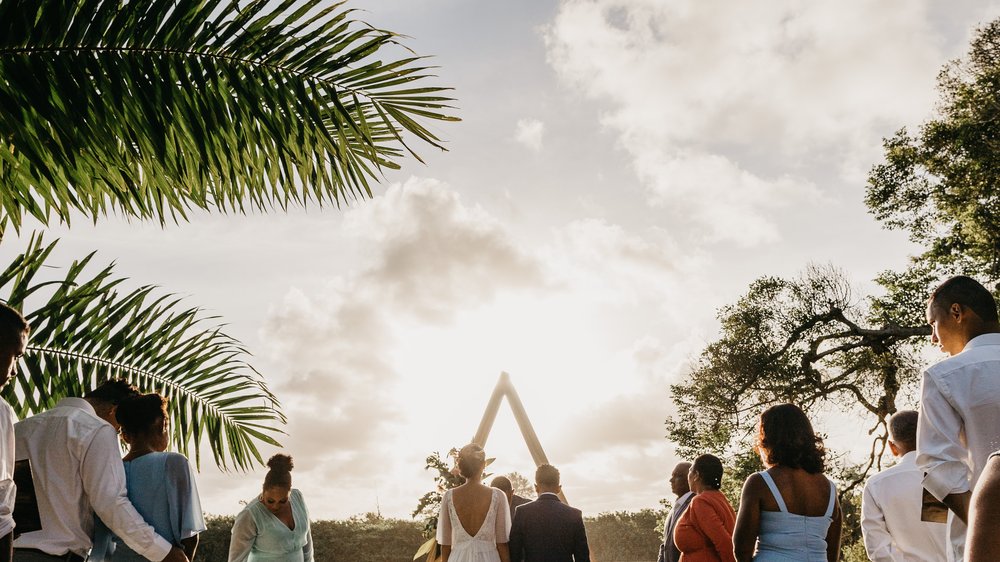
705,531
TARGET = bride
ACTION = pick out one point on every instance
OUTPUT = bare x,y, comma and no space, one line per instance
474,523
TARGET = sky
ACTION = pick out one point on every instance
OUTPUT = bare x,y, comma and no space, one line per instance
623,168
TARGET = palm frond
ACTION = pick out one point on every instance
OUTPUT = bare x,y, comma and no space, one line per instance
86,328
152,108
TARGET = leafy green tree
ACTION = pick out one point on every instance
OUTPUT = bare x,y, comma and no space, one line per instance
813,340
148,110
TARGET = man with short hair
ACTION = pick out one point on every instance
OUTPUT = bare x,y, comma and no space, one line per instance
14,331
503,484
891,504
77,470
959,424
682,490
547,530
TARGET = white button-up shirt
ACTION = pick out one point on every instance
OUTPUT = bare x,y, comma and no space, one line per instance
890,517
7,488
77,470
959,424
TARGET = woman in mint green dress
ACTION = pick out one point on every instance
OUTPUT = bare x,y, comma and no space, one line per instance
274,526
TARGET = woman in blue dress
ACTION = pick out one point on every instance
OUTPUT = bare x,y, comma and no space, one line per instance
274,526
789,512
161,485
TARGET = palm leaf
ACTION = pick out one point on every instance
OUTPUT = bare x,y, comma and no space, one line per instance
87,328
149,108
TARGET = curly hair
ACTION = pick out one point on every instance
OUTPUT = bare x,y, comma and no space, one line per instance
785,437
137,414
280,473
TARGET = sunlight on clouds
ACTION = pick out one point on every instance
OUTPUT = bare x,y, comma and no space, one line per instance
529,133
724,108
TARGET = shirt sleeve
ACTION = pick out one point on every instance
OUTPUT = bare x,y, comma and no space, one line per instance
186,517
307,546
243,536
307,550
444,521
878,541
708,520
104,484
7,489
940,452
502,530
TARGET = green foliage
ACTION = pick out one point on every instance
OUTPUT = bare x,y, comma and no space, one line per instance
446,478
149,109
940,184
86,328
364,538
625,536
522,485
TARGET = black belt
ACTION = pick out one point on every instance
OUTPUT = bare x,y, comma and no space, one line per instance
68,557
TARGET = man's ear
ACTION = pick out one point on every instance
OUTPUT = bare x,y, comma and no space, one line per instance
893,448
956,311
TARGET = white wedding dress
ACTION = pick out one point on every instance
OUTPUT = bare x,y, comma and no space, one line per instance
482,547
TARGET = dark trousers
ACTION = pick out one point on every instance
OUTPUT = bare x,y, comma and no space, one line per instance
34,555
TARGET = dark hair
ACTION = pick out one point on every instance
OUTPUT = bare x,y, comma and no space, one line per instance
502,483
968,293
903,428
547,475
137,414
709,468
113,392
785,437
280,475
471,460
12,325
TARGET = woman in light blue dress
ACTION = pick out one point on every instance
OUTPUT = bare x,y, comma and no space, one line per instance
274,526
789,512
161,485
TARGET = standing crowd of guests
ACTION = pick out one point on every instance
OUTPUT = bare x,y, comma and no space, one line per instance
939,502
74,498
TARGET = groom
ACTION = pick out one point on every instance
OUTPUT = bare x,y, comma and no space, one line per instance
547,530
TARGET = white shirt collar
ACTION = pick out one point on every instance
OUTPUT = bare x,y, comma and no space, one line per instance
548,494
983,339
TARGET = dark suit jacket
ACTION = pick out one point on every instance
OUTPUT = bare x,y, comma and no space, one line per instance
668,550
547,530
516,501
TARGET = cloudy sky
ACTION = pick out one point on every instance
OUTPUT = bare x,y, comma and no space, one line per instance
623,168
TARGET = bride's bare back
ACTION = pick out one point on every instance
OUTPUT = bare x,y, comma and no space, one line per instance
472,505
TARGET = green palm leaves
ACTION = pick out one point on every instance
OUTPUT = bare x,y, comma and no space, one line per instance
88,328
150,108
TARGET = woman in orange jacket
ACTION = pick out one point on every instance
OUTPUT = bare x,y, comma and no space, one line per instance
705,531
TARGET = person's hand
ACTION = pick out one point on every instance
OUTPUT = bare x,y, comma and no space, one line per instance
175,555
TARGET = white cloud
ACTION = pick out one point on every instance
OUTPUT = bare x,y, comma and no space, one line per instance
529,133
727,109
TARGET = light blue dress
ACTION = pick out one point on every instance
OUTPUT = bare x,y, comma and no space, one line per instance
161,487
259,536
787,537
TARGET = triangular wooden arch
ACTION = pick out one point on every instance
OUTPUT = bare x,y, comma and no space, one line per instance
505,388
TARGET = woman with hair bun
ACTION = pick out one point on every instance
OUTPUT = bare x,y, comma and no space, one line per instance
789,512
705,532
474,522
274,526
161,485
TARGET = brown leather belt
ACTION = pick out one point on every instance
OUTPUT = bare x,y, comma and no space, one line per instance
68,557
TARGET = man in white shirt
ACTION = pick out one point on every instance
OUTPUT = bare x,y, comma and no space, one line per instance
13,338
960,399
680,487
891,504
77,470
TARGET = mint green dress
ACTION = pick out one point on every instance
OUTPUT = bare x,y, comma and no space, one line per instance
259,536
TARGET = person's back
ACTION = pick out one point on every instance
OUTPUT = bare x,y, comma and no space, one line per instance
795,515
547,530
474,520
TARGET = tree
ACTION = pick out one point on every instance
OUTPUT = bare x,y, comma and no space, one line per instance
813,340
522,486
150,109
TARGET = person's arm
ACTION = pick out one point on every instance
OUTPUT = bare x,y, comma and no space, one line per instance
307,550
709,522
581,550
244,535
103,478
445,552
833,534
983,541
747,520
878,541
7,547
190,545
444,527
940,452
503,549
